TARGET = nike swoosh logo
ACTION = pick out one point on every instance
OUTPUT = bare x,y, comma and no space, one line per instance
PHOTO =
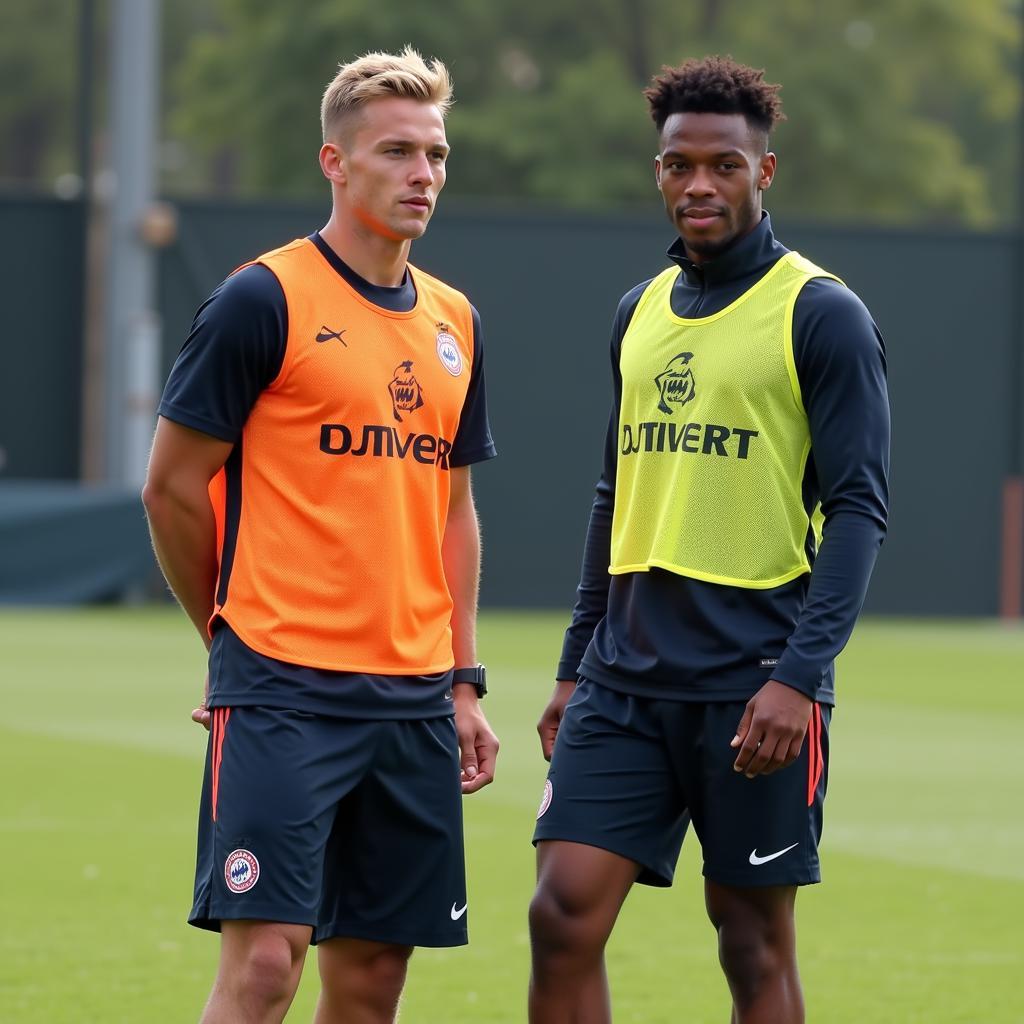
456,914
755,860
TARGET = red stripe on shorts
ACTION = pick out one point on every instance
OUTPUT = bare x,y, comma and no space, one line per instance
220,718
815,758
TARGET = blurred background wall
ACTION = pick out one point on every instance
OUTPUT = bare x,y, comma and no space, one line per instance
899,170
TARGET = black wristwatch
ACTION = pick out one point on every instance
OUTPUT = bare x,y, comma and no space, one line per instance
477,675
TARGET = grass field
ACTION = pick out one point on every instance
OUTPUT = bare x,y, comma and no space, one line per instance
919,919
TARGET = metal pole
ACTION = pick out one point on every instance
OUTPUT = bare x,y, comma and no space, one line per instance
1016,467
1011,589
133,331
90,452
86,33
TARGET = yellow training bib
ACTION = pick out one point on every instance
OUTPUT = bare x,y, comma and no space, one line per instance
713,437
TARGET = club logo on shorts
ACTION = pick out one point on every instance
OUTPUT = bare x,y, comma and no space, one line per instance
448,350
241,871
406,394
545,800
675,383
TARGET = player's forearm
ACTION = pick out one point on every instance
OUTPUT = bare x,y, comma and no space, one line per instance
592,593
839,584
841,366
182,527
591,603
460,553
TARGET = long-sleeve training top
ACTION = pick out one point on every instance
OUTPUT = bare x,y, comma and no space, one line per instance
664,635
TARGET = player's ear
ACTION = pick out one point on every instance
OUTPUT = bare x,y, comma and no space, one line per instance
332,163
657,169
767,171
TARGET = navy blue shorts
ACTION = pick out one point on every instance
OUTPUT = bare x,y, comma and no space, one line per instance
351,826
628,774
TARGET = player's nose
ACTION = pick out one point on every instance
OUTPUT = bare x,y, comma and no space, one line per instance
421,170
701,183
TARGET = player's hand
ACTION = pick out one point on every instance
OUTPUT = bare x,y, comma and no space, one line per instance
477,742
201,714
772,729
551,718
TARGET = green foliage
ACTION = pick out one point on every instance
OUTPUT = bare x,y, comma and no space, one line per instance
882,100
40,81
897,112
563,147
37,74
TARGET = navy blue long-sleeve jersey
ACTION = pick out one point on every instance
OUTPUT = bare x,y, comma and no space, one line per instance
663,635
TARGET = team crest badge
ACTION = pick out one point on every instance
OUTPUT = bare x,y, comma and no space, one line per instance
448,350
675,383
545,800
241,871
406,394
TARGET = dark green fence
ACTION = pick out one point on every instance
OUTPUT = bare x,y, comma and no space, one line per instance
546,284
42,245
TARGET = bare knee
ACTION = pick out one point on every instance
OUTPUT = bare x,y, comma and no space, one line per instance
356,972
384,970
564,922
756,936
551,922
270,969
580,890
746,957
261,964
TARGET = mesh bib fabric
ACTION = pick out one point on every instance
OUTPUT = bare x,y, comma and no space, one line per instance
713,437
331,551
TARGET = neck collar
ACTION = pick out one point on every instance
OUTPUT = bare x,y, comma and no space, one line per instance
754,251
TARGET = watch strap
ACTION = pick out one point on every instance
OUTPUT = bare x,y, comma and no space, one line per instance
475,675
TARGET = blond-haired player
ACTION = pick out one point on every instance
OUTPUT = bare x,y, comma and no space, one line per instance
309,500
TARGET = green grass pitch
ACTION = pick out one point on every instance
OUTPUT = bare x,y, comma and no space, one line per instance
919,918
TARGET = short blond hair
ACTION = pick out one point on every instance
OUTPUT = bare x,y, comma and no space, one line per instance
375,75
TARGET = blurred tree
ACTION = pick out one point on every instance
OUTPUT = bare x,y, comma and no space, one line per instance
39,81
37,73
897,112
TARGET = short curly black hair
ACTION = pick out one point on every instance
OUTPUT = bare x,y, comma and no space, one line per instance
715,85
